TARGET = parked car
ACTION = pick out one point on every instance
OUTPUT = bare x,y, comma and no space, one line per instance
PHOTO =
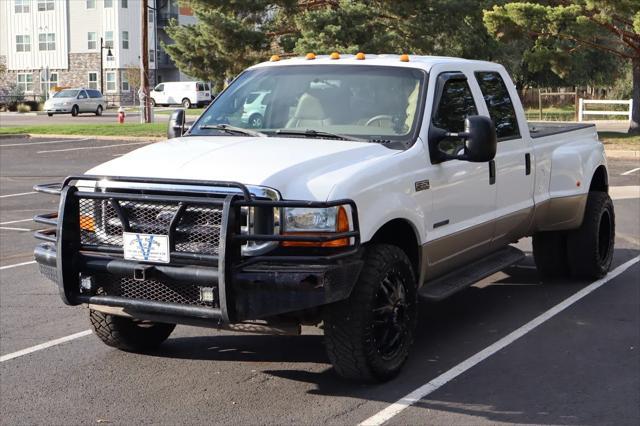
370,183
75,101
254,108
185,93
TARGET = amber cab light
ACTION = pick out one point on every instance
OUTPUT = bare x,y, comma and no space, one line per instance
342,225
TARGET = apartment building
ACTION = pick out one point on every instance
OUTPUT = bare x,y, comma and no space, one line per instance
47,43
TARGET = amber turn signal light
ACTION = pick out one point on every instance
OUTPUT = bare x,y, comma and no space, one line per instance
87,223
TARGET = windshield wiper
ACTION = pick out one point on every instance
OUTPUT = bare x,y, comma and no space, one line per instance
232,130
310,133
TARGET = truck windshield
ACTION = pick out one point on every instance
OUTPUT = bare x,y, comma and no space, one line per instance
374,103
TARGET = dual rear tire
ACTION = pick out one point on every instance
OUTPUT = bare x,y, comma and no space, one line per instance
584,253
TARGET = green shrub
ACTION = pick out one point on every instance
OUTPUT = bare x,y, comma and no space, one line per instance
23,108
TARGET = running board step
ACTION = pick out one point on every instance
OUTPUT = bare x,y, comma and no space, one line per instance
451,283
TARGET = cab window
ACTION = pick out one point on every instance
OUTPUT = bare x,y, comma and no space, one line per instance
159,88
499,104
455,105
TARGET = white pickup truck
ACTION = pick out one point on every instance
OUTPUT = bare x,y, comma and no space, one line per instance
369,182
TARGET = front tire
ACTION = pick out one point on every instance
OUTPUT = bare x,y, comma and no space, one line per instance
129,334
75,110
368,335
590,247
99,110
50,114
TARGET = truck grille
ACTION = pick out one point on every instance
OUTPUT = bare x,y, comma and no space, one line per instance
197,229
155,290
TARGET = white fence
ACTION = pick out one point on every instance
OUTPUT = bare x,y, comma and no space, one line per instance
582,112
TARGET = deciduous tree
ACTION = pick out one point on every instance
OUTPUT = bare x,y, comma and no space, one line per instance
562,30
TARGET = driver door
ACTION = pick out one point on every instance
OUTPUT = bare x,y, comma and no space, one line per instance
461,225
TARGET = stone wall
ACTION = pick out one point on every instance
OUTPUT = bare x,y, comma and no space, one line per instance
80,64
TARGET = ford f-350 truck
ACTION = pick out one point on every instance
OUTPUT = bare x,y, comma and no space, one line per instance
370,181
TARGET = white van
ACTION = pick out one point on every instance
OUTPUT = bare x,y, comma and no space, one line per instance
185,93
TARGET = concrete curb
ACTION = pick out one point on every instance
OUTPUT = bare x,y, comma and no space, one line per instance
14,136
623,154
98,138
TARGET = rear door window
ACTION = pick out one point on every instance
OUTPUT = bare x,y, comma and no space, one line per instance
94,94
499,104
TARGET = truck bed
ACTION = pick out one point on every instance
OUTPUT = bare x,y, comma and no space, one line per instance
540,129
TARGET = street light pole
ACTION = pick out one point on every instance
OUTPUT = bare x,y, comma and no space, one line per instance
101,68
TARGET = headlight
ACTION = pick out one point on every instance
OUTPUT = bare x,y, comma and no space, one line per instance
310,220
313,221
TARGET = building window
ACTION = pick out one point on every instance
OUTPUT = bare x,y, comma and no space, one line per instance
47,41
125,4
152,14
108,3
152,56
108,39
93,80
125,39
111,81
92,41
125,82
47,86
91,4
25,82
23,43
22,6
44,5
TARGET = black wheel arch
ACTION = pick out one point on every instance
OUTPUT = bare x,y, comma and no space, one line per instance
599,180
404,235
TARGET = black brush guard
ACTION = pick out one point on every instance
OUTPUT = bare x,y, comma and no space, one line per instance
248,287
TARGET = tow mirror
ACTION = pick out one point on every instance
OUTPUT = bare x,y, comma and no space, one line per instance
176,124
480,141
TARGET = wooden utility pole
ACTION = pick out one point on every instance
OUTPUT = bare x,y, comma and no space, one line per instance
144,69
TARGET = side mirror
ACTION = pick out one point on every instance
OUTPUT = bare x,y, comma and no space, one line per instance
480,141
176,124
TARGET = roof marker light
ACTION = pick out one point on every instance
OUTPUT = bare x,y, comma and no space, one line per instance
404,58
335,55
310,56
274,58
360,56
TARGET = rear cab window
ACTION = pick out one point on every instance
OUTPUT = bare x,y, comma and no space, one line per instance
499,103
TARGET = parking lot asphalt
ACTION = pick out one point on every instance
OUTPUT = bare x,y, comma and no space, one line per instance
580,366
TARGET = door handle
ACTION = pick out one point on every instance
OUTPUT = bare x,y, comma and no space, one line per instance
527,163
492,172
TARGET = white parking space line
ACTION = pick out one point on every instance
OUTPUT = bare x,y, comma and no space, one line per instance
45,142
31,262
628,172
93,147
45,345
17,195
16,221
424,390
9,228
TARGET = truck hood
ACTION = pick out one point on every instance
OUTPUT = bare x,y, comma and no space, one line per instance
305,169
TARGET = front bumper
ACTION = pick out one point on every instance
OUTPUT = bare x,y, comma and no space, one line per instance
240,287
